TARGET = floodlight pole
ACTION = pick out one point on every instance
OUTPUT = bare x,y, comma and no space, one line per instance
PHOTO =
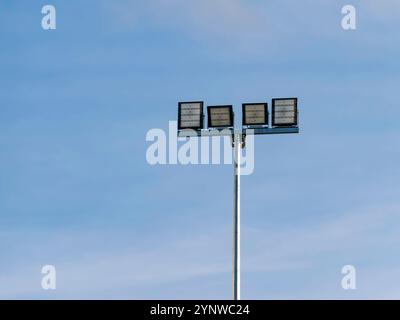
238,142
237,146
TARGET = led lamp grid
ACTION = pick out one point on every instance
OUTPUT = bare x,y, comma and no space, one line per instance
284,112
190,115
220,116
255,114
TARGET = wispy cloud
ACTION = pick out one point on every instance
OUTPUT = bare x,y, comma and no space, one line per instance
204,254
221,19
257,28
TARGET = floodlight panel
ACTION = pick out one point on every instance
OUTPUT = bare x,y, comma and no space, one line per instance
284,112
190,115
255,114
220,116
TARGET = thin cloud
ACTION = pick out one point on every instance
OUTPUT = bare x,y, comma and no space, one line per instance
221,19
202,255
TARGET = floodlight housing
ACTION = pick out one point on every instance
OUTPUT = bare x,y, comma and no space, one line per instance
191,115
284,112
220,116
255,114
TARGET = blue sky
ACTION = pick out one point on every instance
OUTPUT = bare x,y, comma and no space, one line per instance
76,190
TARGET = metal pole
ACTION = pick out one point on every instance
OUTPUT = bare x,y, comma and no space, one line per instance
236,217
